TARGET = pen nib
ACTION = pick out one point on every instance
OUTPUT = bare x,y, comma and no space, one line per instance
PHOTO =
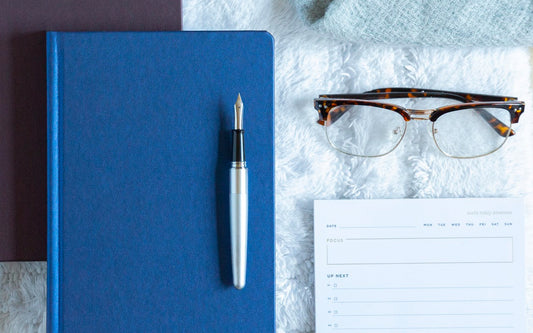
238,113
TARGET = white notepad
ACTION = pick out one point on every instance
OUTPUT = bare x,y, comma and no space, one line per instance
420,265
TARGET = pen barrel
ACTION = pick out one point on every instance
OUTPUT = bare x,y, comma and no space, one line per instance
239,224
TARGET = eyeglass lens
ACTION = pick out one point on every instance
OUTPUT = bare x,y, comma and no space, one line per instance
365,130
470,133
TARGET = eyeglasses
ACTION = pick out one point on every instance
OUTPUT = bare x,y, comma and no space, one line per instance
361,125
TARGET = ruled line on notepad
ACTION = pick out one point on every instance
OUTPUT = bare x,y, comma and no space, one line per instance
422,314
419,263
423,328
432,301
423,238
425,288
379,227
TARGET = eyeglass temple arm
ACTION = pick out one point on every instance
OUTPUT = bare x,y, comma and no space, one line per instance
388,93
460,96
500,128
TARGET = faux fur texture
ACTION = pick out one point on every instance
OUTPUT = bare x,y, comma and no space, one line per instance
307,168
23,297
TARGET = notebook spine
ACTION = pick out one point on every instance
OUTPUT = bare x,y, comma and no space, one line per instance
53,105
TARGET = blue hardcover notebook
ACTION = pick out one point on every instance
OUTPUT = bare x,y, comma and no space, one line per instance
139,147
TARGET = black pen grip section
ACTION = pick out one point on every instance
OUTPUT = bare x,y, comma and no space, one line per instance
238,146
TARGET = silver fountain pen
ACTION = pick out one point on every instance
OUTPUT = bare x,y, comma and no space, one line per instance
238,201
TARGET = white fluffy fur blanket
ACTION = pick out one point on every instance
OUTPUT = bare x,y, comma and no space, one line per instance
307,64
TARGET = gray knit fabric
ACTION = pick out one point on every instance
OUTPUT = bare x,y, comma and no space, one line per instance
423,22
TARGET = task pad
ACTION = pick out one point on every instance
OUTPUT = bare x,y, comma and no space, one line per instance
446,265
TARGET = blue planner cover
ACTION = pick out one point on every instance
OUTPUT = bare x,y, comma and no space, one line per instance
139,146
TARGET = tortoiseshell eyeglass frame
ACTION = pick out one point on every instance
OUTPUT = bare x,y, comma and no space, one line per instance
325,103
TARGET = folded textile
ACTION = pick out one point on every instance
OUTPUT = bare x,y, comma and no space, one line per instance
423,22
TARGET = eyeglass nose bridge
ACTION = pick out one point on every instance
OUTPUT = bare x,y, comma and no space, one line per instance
420,114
